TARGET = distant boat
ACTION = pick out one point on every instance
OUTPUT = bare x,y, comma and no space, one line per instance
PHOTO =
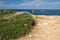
41,10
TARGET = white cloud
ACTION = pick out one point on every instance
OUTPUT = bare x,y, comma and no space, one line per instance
52,5
41,4
27,4
1,3
34,4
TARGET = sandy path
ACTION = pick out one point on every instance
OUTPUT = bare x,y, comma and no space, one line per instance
47,28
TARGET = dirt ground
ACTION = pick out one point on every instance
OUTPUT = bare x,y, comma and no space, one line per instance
46,28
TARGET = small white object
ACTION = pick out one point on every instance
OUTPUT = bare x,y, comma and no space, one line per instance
25,24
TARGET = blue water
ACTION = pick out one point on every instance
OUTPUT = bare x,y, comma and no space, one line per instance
41,11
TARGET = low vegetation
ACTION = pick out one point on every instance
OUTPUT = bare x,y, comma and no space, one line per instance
15,26
3,12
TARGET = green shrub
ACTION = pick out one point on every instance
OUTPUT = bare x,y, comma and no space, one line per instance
15,27
3,12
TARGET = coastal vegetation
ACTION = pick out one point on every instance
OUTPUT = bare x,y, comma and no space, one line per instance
14,26
3,12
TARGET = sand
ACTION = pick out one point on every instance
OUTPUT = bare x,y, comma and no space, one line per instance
46,28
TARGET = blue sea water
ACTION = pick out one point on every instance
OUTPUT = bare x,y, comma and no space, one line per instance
41,11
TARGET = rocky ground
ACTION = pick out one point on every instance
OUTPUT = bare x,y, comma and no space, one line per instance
46,28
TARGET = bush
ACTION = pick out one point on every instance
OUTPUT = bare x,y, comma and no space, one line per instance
3,12
15,27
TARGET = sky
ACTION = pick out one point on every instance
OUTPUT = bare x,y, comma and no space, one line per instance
29,4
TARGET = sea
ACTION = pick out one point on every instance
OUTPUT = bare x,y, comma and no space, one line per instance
40,11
